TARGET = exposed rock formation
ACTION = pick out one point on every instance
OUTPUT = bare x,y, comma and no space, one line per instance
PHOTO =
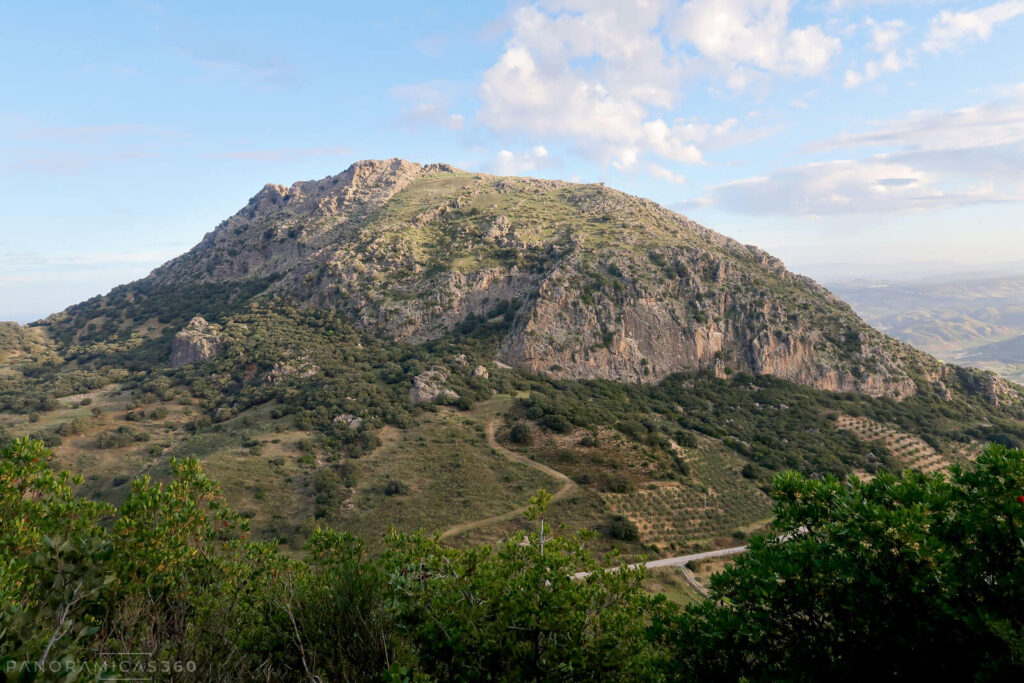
349,420
196,342
429,386
587,282
282,371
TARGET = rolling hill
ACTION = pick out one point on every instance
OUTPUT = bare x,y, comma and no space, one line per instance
956,317
423,347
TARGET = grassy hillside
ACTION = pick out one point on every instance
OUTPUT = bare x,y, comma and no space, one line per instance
424,348
686,461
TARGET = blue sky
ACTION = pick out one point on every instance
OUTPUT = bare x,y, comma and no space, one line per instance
845,137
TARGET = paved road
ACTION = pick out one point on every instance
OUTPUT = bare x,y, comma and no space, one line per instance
681,560
568,485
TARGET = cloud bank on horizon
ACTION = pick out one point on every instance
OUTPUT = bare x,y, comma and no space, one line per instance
811,129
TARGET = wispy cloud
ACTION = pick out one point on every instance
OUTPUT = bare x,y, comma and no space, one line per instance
950,30
84,134
75,149
925,160
35,268
662,173
239,64
511,163
848,186
986,140
884,40
429,104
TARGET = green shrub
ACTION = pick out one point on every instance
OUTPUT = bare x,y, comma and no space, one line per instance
520,434
623,529
396,488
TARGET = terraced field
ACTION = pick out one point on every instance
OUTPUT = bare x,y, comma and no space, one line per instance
717,506
912,452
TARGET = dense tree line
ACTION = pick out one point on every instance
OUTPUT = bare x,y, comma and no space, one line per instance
915,577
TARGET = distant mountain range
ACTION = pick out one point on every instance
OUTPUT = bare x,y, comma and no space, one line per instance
975,319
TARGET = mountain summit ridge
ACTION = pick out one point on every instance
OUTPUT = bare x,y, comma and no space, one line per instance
595,283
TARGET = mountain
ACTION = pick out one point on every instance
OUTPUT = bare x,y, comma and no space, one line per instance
1008,351
423,347
955,317
607,285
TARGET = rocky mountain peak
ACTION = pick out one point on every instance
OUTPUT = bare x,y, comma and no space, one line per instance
591,282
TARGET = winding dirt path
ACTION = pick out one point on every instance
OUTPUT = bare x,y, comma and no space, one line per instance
568,485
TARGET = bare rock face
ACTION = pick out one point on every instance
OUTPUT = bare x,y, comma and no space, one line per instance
711,315
196,342
575,281
429,386
481,371
992,388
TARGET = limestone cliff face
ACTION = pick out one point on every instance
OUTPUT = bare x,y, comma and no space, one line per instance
591,283
646,329
196,342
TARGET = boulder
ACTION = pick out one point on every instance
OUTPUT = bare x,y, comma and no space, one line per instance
350,420
196,342
429,386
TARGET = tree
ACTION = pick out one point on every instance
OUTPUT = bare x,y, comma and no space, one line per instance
515,612
914,577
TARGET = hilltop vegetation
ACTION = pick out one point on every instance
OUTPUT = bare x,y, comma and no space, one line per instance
852,581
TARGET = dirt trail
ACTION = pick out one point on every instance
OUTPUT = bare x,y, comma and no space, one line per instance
568,485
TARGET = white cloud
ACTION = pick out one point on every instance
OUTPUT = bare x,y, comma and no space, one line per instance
429,104
606,77
755,33
986,140
926,160
690,204
846,186
885,34
662,173
951,29
510,163
885,37
891,62
433,115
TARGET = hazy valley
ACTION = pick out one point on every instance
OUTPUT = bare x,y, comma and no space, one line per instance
971,319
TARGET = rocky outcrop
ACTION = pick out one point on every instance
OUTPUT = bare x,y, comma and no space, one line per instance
640,329
196,342
349,420
576,281
302,368
429,386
